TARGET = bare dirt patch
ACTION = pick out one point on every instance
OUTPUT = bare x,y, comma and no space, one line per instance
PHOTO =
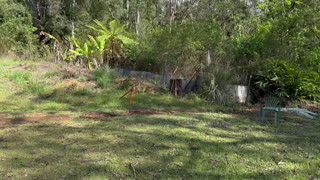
100,115
31,119
28,118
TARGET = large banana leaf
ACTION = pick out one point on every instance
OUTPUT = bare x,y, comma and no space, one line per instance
86,49
102,43
76,53
75,41
98,43
105,37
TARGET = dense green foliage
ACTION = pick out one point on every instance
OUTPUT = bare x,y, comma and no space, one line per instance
285,48
16,30
273,44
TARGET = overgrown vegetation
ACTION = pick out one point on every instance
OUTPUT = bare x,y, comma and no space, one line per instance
272,46
16,30
52,87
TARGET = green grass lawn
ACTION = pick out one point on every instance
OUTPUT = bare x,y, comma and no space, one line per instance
181,146
206,145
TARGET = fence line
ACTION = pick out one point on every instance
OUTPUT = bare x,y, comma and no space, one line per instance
161,80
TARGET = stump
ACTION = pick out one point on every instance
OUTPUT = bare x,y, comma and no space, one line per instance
176,87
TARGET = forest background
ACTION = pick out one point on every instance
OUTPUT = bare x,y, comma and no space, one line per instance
271,45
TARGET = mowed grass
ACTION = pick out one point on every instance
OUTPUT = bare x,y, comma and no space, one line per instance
181,146
165,146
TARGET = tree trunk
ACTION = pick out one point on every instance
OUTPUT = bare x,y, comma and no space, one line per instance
128,11
138,18
172,11
73,24
170,14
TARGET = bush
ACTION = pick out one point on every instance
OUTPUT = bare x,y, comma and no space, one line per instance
16,30
290,80
162,50
214,86
104,77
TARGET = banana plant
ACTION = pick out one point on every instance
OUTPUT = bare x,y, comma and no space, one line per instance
114,38
99,45
85,50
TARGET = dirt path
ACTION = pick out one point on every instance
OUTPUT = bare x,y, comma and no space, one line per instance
23,118
4,120
99,115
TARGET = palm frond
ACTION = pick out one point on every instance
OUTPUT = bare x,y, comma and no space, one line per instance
95,29
101,25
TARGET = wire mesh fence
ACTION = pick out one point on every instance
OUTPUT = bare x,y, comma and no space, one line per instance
160,80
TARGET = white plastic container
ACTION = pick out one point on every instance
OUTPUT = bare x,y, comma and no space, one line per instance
238,93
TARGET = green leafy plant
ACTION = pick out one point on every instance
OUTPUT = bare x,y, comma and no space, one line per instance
16,30
98,45
114,38
103,76
107,45
289,80
86,51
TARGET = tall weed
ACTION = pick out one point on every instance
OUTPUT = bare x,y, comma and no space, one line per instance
214,85
104,76
30,84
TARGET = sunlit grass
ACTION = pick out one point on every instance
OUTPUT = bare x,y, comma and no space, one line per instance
190,146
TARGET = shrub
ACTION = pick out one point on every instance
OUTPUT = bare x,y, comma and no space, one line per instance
290,80
104,76
162,50
16,30
214,86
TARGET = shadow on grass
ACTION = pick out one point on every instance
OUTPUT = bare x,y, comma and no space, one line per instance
161,147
